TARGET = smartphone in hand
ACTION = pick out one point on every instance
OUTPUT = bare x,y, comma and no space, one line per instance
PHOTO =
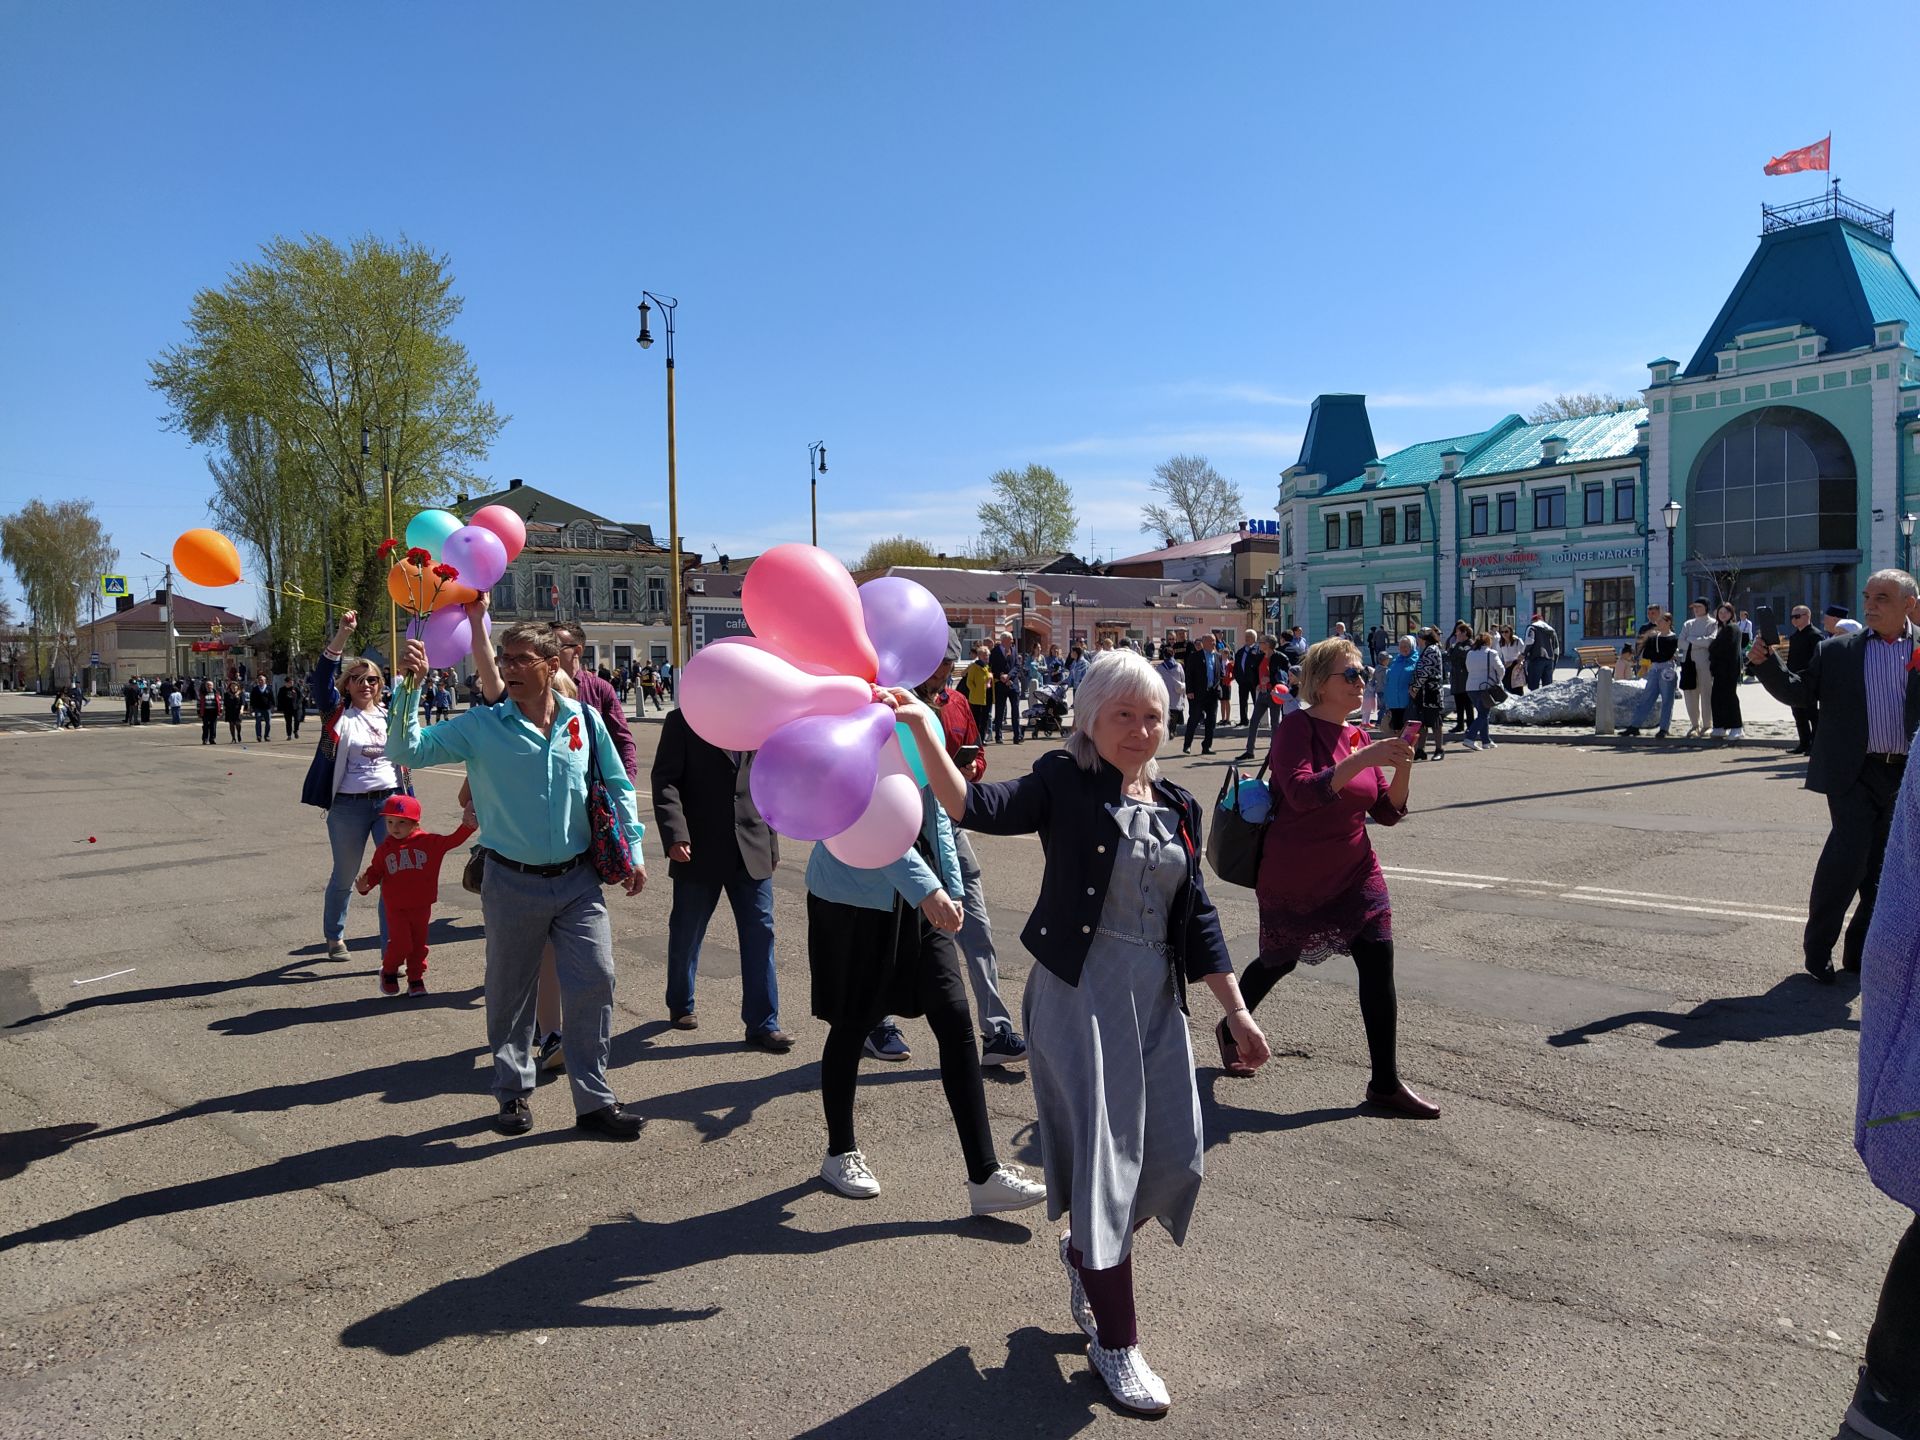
1410,733
966,755
1769,628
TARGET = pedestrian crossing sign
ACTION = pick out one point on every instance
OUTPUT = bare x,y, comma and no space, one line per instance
112,586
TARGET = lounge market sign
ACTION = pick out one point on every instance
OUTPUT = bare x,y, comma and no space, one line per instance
1565,556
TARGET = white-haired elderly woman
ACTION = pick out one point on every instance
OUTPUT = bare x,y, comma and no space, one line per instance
350,776
1122,925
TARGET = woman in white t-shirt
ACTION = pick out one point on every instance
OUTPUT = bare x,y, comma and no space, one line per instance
351,776
1484,671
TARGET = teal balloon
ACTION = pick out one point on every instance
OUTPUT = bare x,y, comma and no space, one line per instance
429,529
908,744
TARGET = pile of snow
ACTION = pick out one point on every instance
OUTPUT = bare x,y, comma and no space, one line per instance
1569,702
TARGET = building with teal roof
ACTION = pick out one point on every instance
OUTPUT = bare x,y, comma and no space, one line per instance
1790,445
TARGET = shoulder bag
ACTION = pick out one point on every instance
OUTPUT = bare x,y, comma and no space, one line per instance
608,849
1234,841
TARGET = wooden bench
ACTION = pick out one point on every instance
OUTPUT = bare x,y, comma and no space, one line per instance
1600,657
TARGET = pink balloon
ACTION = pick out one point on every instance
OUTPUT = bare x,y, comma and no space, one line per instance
802,601
511,529
892,821
735,696
806,665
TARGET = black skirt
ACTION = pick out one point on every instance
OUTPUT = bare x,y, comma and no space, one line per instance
868,963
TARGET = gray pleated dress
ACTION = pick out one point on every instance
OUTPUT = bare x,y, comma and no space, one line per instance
1110,1061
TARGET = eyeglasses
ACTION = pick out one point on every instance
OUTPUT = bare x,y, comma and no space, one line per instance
368,679
1353,674
521,660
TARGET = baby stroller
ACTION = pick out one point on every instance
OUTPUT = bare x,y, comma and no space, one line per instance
1048,710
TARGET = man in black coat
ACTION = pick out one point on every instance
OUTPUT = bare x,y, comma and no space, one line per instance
1868,694
1246,671
716,841
1204,665
1003,663
1801,644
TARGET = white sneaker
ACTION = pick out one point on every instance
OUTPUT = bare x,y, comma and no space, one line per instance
1468,745
1736,733
336,950
1133,1385
1716,734
849,1175
1077,1301
1006,1189
1488,745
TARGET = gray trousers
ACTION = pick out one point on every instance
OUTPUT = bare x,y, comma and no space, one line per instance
522,913
976,943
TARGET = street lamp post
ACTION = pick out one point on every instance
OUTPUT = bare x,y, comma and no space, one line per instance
1073,617
1670,517
1473,577
1906,536
173,639
816,467
386,484
668,304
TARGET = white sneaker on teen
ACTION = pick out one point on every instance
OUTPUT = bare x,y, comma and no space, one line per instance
1468,745
1133,1384
1716,733
1006,1189
1077,1301
849,1175
1736,733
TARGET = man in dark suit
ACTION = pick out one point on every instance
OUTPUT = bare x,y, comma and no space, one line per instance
1246,672
716,841
1204,664
1868,694
1801,644
1003,663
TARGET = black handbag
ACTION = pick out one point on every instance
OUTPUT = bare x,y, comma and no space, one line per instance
1689,674
1234,842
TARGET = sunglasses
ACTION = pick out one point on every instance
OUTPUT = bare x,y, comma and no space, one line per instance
364,680
1353,674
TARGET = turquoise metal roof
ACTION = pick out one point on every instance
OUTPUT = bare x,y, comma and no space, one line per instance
1591,437
1420,464
1889,290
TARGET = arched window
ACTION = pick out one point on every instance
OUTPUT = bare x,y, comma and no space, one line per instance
1780,481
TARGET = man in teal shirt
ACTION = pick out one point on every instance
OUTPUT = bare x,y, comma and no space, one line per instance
526,760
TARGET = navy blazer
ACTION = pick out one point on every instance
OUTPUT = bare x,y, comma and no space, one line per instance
1067,807
1836,684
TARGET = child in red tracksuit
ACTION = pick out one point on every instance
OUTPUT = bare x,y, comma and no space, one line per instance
407,862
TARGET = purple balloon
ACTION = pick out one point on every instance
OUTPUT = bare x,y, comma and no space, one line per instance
907,627
477,554
814,777
448,635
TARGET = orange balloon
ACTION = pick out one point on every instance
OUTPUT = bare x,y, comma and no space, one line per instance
206,557
423,592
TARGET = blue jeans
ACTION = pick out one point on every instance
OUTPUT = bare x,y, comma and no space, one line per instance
351,820
1539,673
522,913
693,906
976,942
1482,709
1662,680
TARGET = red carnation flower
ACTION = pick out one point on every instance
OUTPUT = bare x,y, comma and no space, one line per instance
388,546
446,572
417,556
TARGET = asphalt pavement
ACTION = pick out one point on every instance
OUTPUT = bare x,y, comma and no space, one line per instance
248,1195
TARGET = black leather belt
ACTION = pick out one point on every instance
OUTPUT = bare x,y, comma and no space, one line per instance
1884,757
547,871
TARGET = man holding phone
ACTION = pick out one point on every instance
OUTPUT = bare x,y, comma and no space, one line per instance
1800,647
1000,1042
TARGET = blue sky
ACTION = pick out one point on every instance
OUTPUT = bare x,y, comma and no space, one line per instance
943,238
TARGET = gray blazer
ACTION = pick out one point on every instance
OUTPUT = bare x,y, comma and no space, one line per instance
1836,682
701,797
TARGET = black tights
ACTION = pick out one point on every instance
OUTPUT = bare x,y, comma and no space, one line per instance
959,1077
1893,1345
1379,1007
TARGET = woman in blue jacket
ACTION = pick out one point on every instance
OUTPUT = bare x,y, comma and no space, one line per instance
880,942
1122,925
1396,687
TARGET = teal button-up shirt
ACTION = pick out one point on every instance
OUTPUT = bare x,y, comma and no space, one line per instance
529,789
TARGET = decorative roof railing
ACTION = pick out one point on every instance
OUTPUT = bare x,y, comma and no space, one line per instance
1830,206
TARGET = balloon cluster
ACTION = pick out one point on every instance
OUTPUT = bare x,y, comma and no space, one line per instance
833,764
446,564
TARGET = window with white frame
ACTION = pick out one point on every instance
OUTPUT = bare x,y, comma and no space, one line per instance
582,592
1389,527
622,594
1400,613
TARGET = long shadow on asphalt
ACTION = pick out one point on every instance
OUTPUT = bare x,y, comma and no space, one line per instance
1220,1122
1645,783
949,1397
294,972
1795,1005
21,1148
264,1022
556,1288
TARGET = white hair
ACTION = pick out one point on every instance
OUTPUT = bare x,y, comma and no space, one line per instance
1901,578
1118,675
1410,642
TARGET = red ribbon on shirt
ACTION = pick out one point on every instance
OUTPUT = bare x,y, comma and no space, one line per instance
573,733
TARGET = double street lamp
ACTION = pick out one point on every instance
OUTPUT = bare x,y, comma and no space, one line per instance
816,467
1670,517
667,304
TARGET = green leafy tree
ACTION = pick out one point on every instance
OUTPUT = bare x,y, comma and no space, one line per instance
57,552
1578,406
896,550
289,364
1031,513
1196,501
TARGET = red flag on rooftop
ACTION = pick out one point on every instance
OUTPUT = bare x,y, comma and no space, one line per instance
1808,157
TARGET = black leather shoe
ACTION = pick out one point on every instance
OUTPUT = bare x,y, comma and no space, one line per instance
1821,970
774,1042
611,1122
515,1117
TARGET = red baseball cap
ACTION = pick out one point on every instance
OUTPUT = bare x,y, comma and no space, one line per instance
401,807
